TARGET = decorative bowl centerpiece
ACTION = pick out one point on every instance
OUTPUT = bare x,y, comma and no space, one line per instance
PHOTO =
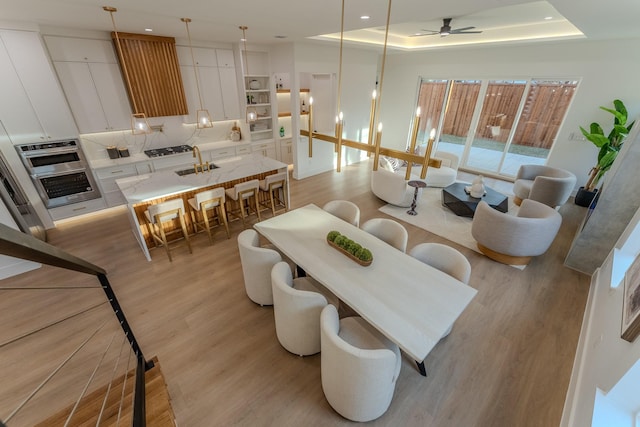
351,249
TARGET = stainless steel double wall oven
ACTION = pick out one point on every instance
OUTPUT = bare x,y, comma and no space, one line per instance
59,171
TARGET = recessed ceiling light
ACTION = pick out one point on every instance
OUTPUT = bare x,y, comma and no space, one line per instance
546,18
365,17
148,30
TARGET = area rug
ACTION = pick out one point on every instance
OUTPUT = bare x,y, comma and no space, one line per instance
438,219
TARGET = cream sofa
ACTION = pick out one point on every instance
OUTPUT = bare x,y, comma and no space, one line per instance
389,184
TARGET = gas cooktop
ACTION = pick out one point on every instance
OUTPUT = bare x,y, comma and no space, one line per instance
167,151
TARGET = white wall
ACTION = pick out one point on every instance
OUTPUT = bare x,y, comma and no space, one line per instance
359,69
604,361
608,69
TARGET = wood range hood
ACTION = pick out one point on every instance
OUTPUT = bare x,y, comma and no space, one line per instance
155,83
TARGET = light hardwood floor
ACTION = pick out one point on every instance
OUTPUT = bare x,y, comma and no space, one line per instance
507,361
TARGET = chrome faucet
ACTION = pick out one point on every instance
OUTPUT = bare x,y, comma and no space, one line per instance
199,166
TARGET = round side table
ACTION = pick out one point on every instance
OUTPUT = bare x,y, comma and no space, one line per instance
417,185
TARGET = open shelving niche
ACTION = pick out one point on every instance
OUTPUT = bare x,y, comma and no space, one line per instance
258,95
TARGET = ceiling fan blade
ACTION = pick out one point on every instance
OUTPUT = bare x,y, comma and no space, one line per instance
466,32
426,33
462,29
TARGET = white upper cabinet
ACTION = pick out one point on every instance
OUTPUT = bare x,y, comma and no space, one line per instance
218,83
229,84
92,81
225,58
70,49
203,57
33,70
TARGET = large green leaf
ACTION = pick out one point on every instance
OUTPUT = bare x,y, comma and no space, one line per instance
598,139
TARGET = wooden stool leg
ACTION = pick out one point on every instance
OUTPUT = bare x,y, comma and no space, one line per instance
163,236
184,231
255,200
205,218
222,216
273,205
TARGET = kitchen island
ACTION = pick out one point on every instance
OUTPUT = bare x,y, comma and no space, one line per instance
143,190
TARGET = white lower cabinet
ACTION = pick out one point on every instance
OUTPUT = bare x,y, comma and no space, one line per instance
107,182
77,209
267,149
286,151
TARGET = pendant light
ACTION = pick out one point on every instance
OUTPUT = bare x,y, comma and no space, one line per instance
252,113
202,116
139,124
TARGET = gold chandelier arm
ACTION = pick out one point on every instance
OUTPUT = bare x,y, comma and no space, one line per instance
340,62
384,60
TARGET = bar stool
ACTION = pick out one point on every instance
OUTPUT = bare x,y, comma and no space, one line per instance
209,206
241,192
159,214
272,185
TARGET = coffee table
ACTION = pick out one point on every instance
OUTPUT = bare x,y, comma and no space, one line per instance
462,204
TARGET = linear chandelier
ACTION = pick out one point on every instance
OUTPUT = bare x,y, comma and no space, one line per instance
203,118
373,146
139,123
252,113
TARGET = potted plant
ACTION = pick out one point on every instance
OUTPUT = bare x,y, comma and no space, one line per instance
609,146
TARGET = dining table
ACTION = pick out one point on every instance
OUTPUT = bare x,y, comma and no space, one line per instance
411,303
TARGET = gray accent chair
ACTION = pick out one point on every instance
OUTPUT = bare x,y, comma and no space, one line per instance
544,184
514,240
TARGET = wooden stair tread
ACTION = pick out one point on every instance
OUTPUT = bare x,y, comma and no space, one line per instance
158,403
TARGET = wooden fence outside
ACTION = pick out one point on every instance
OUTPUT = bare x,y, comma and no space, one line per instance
543,112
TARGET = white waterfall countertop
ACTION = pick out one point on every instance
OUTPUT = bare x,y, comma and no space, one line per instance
143,188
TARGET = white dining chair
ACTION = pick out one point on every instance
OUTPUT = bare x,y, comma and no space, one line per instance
389,231
358,366
345,210
257,263
449,261
297,304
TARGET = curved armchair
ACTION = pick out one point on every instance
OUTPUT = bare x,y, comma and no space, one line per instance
544,184
359,366
257,263
389,231
392,187
512,239
345,210
296,308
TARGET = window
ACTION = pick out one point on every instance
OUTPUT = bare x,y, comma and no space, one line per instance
495,125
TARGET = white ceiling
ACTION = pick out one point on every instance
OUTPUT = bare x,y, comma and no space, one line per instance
218,20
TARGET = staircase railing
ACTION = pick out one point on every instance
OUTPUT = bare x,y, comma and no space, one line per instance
19,245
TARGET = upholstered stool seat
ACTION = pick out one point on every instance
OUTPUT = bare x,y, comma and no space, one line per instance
242,195
166,212
275,186
208,206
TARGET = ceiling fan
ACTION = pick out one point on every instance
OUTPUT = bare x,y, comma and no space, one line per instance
446,30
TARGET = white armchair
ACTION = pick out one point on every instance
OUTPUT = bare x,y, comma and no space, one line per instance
389,231
257,263
359,366
515,239
297,305
544,184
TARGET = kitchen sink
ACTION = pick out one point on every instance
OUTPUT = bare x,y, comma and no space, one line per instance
192,170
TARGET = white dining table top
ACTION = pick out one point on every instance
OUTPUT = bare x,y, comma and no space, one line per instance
408,301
